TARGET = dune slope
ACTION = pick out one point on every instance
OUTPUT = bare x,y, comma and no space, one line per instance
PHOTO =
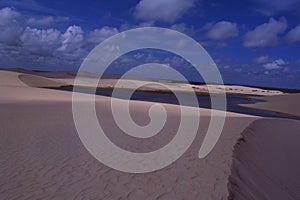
266,162
42,156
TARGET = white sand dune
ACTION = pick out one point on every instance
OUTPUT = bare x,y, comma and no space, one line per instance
42,156
33,78
266,161
151,85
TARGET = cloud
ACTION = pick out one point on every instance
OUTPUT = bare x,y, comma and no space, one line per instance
31,46
98,35
222,30
29,5
276,6
72,39
127,26
183,29
10,29
8,15
45,20
276,64
43,42
42,21
262,59
265,34
165,11
293,35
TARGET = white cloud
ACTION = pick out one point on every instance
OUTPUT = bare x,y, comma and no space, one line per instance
183,28
276,64
262,59
98,35
10,29
31,5
45,20
165,11
222,30
72,39
265,34
41,41
293,35
127,26
8,15
31,46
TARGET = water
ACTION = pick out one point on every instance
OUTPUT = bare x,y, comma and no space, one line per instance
204,101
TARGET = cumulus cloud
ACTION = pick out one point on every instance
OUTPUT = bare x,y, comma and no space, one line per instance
10,29
8,15
165,11
42,42
72,39
222,30
293,35
98,35
276,64
265,34
22,44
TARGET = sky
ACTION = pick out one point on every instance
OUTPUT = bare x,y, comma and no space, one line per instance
253,42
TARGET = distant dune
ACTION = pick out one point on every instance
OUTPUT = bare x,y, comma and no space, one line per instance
109,81
38,81
288,104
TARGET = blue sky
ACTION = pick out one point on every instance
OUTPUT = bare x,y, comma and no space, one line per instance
253,42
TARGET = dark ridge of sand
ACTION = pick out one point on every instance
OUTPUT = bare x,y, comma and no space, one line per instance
39,81
46,74
266,162
287,104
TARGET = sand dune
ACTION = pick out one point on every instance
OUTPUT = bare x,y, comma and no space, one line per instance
42,156
38,81
288,104
35,79
266,161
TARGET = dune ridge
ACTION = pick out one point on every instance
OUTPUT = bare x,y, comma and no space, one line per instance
266,161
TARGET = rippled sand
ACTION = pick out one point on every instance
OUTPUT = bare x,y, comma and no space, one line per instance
42,156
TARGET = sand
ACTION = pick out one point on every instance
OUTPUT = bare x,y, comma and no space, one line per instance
288,104
42,156
266,161
57,79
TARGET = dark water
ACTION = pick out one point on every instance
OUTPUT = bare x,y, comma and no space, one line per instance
204,100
